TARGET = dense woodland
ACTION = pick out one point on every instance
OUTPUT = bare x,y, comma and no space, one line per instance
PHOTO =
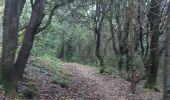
125,38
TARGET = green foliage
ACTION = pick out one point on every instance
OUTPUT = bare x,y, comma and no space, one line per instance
75,39
49,63
110,70
59,75
63,82
53,65
29,91
48,42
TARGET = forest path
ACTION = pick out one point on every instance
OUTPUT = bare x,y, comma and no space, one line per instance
85,83
109,88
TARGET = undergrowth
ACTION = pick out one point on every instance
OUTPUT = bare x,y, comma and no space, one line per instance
54,66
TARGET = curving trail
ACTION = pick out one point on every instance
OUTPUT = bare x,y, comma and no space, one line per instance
108,88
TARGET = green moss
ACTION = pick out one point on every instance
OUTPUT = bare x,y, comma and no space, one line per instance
9,88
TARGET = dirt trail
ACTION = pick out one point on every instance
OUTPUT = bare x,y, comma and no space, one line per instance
85,84
109,88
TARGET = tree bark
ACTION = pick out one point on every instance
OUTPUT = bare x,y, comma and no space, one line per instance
154,21
101,63
131,44
12,12
24,52
167,60
98,20
140,31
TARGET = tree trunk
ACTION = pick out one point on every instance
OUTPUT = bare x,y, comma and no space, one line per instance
128,70
140,31
99,16
131,44
24,52
154,21
12,12
62,54
167,59
119,64
100,59
116,51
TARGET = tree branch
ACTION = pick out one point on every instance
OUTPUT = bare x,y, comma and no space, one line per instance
51,15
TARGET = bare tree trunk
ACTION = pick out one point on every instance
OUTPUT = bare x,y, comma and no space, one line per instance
167,60
131,44
154,20
12,12
35,21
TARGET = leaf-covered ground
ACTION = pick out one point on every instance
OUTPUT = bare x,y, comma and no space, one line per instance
85,84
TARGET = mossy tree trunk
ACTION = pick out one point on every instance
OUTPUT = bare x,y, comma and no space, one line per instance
154,21
118,37
12,12
31,30
98,20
